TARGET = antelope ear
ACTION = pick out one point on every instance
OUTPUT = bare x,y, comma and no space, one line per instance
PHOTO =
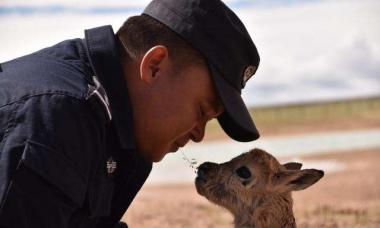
293,166
295,180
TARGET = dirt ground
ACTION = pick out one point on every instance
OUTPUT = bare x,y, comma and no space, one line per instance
346,198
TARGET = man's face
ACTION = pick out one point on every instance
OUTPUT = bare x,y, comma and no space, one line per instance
180,104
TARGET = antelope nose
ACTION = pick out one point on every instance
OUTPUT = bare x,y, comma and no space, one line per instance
205,167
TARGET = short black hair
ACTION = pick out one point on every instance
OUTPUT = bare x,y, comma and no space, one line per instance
140,33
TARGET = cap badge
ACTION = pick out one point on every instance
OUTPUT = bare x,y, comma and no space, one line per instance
111,165
248,73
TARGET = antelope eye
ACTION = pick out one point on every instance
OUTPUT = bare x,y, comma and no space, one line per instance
243,172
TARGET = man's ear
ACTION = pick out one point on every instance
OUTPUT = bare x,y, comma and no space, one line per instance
152,63
295,180
292,166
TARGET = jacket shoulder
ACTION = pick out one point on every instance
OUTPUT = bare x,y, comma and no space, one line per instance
62,68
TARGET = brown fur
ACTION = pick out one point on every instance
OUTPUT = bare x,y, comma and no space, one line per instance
262,200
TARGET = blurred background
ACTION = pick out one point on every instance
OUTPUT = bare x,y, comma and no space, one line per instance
315,99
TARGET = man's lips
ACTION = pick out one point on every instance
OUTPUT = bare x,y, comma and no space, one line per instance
176,145
179,144
182,142
173,148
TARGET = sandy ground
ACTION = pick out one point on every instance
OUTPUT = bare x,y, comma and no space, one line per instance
346,198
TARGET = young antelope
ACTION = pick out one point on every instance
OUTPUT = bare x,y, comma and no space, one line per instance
255,188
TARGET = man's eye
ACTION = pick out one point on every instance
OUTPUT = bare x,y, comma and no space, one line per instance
243,172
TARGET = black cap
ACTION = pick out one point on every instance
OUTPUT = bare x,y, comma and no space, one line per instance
219,35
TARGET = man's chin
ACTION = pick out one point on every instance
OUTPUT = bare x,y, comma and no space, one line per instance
157,156
173,150
154,158
161,156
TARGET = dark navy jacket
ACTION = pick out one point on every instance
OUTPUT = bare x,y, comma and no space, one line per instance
56,137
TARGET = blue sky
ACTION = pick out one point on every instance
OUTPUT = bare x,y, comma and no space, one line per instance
310,50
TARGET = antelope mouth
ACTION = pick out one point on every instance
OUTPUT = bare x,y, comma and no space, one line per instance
205,176
200,182
200,179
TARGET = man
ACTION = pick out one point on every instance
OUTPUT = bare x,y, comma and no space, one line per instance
81,122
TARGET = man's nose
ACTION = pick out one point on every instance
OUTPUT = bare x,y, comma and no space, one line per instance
198,133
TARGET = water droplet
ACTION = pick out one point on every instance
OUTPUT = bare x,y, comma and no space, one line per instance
191,162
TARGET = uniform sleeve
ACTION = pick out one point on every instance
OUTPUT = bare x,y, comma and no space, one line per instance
48,156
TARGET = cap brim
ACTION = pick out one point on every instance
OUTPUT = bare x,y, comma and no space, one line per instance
235,120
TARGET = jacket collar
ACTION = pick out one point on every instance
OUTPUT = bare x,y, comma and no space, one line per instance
103,53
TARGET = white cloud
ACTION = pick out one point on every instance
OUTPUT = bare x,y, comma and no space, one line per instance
315,50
